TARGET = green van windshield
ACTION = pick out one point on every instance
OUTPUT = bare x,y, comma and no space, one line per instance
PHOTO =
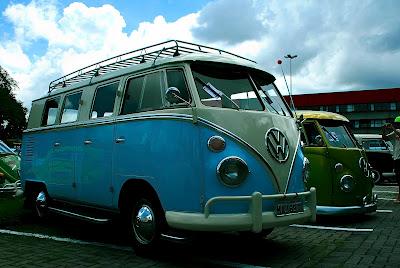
337,134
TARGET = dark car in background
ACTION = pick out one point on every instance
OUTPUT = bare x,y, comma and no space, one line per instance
379,156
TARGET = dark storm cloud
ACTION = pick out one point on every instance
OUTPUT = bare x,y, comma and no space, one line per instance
230,21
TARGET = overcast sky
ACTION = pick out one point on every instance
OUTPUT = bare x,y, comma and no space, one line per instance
341,45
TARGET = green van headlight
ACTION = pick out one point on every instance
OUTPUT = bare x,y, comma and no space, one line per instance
347,183
232,171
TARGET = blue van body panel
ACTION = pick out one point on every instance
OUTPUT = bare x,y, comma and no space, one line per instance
165,153
94,162
296,183
36,163
171,155
260,179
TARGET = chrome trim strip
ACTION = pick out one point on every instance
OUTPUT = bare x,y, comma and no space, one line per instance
291,166
173,237
328,210
75,215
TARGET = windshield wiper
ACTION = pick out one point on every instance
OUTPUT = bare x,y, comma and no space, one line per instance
216,92
335,139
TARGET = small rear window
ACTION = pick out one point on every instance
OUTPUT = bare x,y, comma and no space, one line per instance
50,112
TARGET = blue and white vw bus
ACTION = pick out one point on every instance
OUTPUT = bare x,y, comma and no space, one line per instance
171,136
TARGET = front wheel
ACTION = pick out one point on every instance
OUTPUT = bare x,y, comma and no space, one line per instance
144,223
376,176
257,236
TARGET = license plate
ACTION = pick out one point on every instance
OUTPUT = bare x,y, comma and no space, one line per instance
286,208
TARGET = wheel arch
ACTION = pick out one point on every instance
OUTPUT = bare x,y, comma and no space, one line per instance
135,188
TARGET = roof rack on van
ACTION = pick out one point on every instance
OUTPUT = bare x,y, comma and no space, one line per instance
167,49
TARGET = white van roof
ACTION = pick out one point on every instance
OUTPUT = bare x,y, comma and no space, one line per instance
168,52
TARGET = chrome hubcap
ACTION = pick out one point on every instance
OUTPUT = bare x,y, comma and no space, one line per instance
144,224
41,204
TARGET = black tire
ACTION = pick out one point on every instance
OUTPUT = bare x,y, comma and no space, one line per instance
144,222
257,236
39,209
377,177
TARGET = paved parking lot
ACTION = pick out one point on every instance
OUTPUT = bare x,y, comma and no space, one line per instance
368,241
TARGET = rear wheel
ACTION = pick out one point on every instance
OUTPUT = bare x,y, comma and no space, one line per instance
41,204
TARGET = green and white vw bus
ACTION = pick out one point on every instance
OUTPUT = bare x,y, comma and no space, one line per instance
338,166
172,136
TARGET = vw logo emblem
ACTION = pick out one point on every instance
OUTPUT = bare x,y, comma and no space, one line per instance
364,166
277,144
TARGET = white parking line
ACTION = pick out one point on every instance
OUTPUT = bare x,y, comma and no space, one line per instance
387,192
110,246
63,239
332,228
384,210
390,199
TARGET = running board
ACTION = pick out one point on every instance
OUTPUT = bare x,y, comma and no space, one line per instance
78,216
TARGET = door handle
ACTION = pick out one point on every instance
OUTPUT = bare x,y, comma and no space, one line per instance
120,140
56,144
86,142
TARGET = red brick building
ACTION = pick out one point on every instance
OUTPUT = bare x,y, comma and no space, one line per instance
367,110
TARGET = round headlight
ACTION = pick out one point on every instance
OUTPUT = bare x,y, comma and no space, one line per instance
347,183
232,171
306,169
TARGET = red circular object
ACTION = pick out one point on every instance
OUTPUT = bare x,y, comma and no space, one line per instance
279,62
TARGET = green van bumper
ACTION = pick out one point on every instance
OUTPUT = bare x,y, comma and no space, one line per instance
338,211
254,220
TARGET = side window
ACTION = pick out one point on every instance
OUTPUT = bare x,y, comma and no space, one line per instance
152,96
50,112
133,95
71,107
143,94
176,78
313,135
104,101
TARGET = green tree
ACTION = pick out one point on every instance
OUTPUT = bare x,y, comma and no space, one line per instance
12,113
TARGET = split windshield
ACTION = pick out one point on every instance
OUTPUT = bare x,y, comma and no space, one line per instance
337,134
235,87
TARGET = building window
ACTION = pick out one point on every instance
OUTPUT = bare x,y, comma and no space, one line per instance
361,107
356,124
350,108
337,108
378,123
371,107
393,106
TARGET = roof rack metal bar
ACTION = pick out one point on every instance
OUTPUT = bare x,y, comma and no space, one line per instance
163,50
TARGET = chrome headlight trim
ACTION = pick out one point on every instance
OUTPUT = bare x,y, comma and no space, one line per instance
241,174
347,183
364,166
306,169
339,167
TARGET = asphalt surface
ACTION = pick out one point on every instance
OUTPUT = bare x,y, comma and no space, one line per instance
365,241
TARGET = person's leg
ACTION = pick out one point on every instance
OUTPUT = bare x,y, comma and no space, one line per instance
397,174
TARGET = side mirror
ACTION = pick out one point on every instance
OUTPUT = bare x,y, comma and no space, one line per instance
301,119
172,95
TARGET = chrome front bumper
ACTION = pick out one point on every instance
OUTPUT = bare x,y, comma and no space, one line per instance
338,211
254,220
